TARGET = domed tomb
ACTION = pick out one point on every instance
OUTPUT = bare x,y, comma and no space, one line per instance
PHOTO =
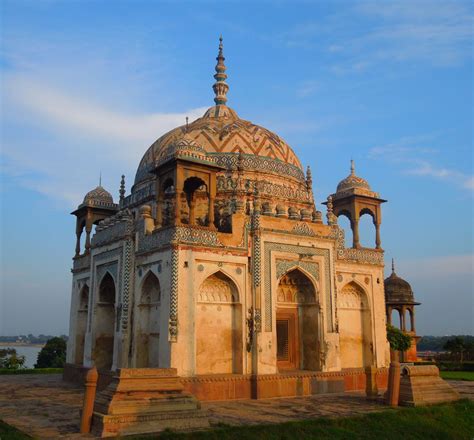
235,145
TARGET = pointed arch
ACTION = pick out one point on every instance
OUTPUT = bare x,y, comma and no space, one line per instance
308,288
81,323
297,321
148,312
218,287
355,329
107,289
104,323
218,326
150,288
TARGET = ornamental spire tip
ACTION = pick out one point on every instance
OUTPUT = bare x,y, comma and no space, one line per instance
220,86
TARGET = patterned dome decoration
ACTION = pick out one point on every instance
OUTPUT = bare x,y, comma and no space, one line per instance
352,181
397,290
99,197
222,134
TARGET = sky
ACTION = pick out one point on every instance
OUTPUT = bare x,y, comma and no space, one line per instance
87,86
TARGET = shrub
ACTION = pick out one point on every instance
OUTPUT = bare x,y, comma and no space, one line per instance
398,340
53,354
10,360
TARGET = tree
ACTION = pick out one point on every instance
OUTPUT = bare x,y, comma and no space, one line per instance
456,346
53,354
398,340
10,359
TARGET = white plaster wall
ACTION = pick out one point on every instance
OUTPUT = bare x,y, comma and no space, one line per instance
370,279
190,278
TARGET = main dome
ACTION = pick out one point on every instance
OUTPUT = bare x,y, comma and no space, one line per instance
222,134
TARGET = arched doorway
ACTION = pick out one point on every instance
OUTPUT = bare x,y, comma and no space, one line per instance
105,324
354,327
297,323
218,326
148,337
81,324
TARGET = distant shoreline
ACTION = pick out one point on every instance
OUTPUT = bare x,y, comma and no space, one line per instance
19,344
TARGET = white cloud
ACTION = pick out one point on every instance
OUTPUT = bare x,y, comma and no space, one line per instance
409,153
83,138
444,266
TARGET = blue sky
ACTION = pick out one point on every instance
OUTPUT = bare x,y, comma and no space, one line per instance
86,87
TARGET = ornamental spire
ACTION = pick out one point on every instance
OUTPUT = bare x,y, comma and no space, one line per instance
352,168
393,265
220,86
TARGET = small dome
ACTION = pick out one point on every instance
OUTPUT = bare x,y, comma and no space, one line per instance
352,181
397,290
183,146
98,197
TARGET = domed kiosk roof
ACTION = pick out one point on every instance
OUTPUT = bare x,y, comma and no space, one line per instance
352,181
98,195
397,290
222,134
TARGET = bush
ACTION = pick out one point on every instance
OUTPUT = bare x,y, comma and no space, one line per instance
398,340
10,360
53,354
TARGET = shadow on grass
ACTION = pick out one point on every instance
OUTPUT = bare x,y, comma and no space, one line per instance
446,421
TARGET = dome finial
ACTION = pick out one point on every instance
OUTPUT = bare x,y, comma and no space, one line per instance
352,167
393,265
220,86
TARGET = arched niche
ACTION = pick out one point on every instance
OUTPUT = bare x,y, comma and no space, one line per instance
218,326
297,322
355,330
148,324
194,207
81,323
105,323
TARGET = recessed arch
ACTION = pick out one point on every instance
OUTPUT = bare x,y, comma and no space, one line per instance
81,323
218,326
104,328
218,287
148,312
297,321
355,330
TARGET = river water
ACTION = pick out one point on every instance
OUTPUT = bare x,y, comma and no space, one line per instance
29,351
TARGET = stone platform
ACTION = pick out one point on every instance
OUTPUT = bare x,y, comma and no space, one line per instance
46,407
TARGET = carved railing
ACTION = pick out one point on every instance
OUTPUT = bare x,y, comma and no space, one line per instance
362,255
81,262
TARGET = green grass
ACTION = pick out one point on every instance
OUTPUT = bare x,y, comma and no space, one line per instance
447,421
31,371
8,432
457,375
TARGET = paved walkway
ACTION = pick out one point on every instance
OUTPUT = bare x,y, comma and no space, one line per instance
47,408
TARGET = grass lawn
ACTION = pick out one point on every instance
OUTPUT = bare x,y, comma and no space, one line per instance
457,375
8,432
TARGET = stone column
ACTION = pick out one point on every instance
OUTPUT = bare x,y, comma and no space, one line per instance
211,211
355,234
78,242
378,242
402,319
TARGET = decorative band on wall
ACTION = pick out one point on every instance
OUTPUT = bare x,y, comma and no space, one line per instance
173,321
